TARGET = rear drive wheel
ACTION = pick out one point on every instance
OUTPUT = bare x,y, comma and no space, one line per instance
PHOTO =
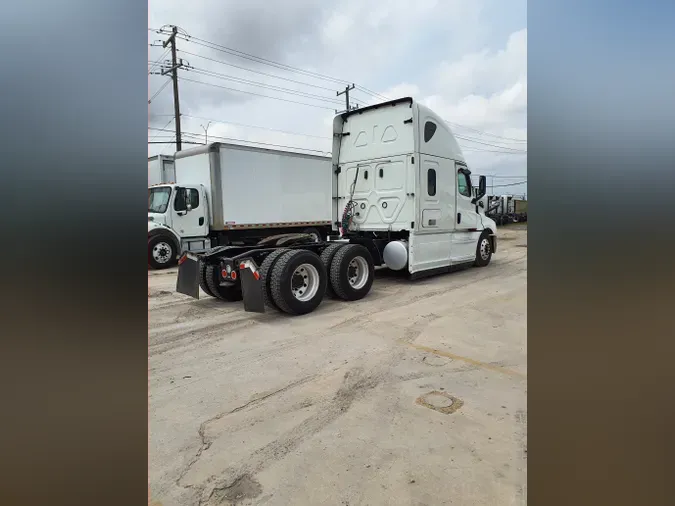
266,274
161,252
483,250
352,272
202,279
230,292
298,282
327,257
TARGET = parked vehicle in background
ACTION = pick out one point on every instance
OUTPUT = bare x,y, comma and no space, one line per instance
228,194
161,170
507,209
401,197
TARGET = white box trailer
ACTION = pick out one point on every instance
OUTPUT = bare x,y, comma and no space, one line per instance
402,197
161,170
227,194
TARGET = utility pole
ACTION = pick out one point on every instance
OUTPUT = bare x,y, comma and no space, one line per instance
175,65
206,131
346,93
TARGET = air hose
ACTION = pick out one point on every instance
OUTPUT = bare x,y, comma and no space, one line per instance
348,213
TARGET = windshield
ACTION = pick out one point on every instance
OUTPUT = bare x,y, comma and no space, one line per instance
158,199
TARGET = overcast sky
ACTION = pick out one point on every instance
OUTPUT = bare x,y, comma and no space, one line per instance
467,60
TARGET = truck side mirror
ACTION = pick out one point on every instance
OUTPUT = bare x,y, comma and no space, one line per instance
482,189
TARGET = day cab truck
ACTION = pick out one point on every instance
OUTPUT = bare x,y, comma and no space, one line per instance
401,197
228,194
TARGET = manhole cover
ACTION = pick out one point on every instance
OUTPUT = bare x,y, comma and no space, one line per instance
440,401
435,360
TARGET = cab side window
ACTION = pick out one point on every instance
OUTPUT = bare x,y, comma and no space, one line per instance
431,182
463,184
186,196
193,198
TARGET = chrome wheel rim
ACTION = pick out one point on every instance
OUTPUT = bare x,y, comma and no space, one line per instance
484,249
357,272
161,252
305,282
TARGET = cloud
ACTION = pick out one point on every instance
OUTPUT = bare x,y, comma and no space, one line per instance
466,60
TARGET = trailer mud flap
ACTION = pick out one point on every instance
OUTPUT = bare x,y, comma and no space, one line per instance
188,276
251,287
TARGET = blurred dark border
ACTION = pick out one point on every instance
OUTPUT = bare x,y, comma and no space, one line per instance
73,111
601,167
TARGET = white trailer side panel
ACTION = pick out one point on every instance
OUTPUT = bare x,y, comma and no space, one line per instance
161,170
154,171
262,186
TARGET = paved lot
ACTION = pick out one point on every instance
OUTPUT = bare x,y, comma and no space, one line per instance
415,395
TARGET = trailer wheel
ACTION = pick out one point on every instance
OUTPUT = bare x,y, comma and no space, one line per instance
298,282
327,258
266,275
229,293
202,279
162,252
483,250
351,272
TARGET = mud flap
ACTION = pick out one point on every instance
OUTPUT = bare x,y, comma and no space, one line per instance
494,242
252,289
188,276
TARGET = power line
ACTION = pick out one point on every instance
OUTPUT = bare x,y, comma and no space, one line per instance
247,141
508,184
241,54
380,96
258,94
166,83
159,60
173,142
217,75
469,139
485,133
257,71
478,150
254,126
258,59
164,127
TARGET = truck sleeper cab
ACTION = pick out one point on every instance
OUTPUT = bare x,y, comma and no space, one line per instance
401,196
402,187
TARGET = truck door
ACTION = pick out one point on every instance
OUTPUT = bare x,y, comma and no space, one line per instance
437,202
190,212
466,217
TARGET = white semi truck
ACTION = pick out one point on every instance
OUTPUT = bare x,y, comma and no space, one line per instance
228,194
161,170
401,197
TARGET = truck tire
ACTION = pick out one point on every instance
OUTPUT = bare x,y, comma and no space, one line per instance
162,252
266,274
352,272
202,279
229,293
298,282
483,250
327,258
